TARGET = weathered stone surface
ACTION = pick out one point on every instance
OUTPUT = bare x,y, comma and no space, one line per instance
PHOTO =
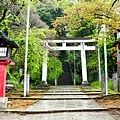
118,76
103,83
115,81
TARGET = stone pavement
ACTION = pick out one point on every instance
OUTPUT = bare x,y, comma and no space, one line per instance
63,104
63,101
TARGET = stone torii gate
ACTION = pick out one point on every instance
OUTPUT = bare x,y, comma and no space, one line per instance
64,46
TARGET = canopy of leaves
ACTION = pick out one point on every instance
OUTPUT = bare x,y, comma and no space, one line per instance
96,12
13,15
64,4
48,12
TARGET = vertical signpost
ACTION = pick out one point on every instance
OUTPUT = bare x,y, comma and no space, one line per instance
103,29
105,57
99,64
26,50
74,69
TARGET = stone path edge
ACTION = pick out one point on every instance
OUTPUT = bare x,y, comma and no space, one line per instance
54,111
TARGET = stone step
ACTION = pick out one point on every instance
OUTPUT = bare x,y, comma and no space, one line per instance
37,98
5,105
56,111
85,98
71,93
57,93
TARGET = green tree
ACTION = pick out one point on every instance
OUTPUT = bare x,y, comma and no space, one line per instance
35,53
48,12
13,16
75,16
82,19
13,23
54,69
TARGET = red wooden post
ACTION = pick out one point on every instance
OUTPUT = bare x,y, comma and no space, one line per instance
3,66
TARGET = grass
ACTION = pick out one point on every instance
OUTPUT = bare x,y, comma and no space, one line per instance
98,86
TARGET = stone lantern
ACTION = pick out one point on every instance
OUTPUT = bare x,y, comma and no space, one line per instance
6,52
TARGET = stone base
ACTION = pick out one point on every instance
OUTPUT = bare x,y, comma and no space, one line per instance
86,83
44,85
3,103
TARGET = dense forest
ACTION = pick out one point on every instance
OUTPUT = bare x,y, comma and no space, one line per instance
62,19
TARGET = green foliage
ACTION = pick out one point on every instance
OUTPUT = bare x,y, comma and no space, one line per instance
35,54
14,79
75,16
110,85
48,12
64,4
9,13
86,29
13,23
97,85
77,79
92,65
13,15
79,20
83,20
54,69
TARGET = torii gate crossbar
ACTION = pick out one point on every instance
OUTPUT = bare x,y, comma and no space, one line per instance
81,47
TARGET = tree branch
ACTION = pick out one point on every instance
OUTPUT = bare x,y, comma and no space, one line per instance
4,14
114,2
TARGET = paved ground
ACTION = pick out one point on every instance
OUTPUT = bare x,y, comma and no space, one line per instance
66,102
65,105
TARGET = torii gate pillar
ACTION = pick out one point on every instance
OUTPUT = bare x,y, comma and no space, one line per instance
44,69
83,60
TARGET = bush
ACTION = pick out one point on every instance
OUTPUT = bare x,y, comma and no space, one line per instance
15,82
97,85
110,85
54,69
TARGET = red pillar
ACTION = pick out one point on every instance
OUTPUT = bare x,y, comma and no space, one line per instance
3,66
